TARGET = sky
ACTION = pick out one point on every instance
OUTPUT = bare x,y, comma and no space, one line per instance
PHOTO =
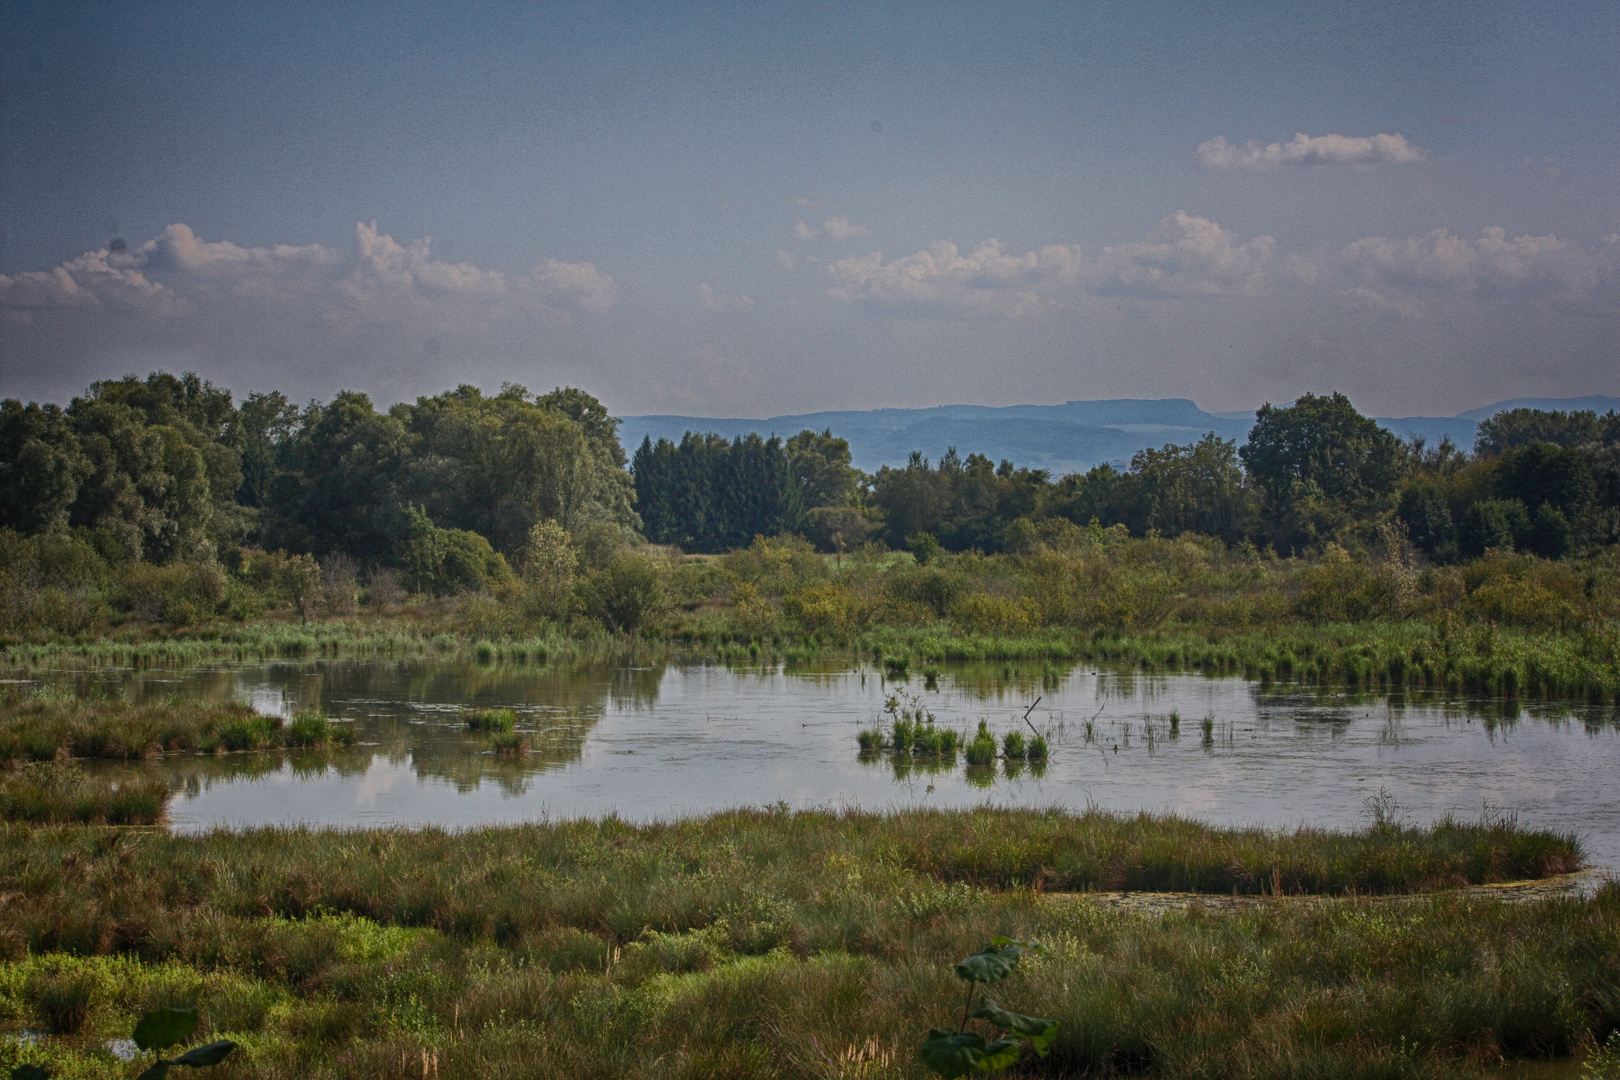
758,209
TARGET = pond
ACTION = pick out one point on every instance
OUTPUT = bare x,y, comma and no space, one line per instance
681,739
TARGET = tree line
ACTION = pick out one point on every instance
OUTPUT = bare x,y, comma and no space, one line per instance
447,491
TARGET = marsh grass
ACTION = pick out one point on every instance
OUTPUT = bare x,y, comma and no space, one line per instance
41,725
776,945
58,792
981,749
494,721
509,743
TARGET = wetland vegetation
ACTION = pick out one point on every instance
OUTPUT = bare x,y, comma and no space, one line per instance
159,523
795,945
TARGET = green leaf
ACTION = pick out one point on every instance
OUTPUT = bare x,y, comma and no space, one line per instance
164,1027
158,1071
951,1053
991,964
1040,1032
202,1056
29,1072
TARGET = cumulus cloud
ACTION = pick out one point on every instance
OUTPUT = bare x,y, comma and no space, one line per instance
720,304
1184,255
1410,276
381,281
1304,149
986,280
835,228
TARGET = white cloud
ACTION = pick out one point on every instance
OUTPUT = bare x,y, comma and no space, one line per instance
720,304
835,228
841,228
986,280
1304,149
383,281
1184,255
1409,276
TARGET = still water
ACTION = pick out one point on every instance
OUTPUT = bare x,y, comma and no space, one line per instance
673,740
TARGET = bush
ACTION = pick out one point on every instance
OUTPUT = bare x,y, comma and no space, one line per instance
628,592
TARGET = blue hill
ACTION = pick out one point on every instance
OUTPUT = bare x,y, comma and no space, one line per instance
1070,437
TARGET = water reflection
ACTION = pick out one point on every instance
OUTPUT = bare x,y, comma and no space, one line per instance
407,714
660,741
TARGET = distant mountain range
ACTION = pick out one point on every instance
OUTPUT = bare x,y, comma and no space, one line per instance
1071,437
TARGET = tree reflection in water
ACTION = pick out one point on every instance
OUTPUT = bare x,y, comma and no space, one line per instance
406,712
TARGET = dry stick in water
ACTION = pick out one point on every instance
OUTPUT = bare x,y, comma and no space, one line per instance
1029,710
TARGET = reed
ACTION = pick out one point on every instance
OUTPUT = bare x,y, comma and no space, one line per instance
491,720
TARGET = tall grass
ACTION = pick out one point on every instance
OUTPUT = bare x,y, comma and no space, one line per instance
794,945
58,792
41,726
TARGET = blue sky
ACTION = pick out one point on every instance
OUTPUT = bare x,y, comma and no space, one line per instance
756,209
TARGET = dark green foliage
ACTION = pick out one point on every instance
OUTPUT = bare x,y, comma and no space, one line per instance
963,504
821,469
1423,509
950,1053
1550,535
1514,428
1316,461
708,495
1541,474
1492,524
448,561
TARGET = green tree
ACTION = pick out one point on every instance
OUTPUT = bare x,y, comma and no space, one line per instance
1319,464
41,466
498,466
821,469
1540,473
343,485
1513,428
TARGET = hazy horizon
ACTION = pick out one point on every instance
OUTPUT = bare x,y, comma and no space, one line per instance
728,211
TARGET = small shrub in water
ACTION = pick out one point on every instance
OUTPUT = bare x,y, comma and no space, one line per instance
491,720
1012,744
949,1052
1208,724
870,738
485,652
1038,750
509,743
981,749
1175,722
251,733
309,729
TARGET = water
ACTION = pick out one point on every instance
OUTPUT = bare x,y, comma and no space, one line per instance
666,741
